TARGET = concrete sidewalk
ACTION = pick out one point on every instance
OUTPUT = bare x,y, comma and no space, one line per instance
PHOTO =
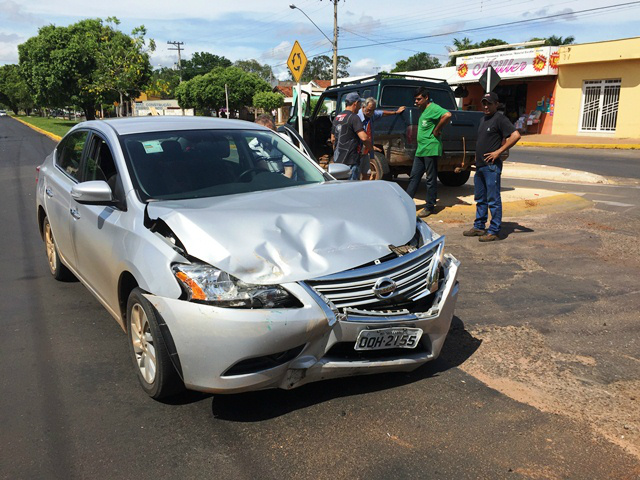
578,141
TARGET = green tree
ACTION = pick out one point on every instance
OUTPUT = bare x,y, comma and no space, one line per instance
163,83
556,41
207,92
268,100
419,61
201,63
59,65
14,91
321,68
123,65
253,66
466,44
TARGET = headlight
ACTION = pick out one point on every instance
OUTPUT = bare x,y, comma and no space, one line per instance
207,284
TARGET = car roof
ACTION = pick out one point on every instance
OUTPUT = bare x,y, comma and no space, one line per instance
129,125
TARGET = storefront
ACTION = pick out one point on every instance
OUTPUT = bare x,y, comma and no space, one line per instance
526,89
598,90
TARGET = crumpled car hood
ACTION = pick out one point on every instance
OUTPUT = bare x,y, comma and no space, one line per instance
292,234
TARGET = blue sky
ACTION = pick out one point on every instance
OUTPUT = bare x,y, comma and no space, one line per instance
266,29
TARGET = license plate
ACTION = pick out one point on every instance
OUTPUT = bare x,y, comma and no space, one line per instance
384,338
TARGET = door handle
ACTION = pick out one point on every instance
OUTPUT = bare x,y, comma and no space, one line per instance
74,213
49,192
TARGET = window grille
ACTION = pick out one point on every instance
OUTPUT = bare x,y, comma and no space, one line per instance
600,100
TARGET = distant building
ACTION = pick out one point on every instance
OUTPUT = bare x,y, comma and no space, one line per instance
313,88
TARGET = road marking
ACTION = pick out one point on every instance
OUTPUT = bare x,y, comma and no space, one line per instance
614,204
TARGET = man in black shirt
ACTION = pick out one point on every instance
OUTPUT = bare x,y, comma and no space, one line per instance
495,135
347,133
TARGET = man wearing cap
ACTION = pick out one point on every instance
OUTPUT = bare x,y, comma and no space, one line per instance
347,133
496,134
430,124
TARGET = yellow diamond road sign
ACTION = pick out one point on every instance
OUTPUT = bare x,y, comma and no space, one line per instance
297,61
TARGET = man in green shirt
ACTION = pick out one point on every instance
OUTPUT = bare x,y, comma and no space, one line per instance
430,124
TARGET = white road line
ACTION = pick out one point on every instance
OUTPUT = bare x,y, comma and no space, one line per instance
614,204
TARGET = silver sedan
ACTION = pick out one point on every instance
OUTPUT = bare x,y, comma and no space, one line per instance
234,262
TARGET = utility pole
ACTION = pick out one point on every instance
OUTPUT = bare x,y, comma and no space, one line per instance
335,42
179,48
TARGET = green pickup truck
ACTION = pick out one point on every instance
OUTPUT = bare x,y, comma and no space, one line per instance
394,135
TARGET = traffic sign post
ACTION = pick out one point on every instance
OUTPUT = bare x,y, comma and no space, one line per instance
489,79
297,62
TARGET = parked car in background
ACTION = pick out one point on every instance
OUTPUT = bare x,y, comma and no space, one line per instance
228,275
3,113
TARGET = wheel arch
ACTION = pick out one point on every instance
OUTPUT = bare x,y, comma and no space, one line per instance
126,283
41,215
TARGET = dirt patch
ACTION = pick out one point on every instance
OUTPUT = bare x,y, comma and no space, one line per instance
517,362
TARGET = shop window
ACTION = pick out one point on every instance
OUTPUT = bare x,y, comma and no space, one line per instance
600,100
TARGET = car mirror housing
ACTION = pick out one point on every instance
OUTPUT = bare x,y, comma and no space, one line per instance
95,192
339,171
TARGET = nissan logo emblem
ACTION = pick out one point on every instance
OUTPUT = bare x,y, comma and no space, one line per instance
384,287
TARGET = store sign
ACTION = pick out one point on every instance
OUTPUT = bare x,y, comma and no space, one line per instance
530,62
160,104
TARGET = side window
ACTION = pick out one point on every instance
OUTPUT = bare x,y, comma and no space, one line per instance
326,107
70,153
99,164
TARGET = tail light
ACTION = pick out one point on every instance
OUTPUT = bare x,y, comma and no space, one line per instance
37,173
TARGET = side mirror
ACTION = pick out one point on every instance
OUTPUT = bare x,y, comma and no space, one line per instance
96,192
332,115
339,171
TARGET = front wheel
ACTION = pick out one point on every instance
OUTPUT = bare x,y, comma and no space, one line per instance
156,373
453,179
57,269
379,168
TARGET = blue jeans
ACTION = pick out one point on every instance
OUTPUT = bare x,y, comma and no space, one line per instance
355,172
487,197
421,165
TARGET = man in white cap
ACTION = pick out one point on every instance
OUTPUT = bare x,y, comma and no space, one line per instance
496,134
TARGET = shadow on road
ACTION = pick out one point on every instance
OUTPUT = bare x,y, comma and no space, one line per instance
268,404
512,227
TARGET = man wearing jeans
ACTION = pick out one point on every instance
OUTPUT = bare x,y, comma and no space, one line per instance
494,130
432,120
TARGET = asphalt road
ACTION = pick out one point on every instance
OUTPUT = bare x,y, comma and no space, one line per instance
71,408
607,162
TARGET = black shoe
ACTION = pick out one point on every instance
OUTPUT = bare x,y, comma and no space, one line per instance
474,232
425,212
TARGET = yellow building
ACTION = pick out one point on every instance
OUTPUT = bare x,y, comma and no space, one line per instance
598,89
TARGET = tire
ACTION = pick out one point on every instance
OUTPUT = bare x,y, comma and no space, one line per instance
379,168
452,179
154,369
57,269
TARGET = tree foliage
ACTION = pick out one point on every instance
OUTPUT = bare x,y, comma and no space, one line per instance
268,100
202,63
206,92
321,68
556,41
59,65
253,66
85,64
123,61
466,44
14,91
163,83
419,61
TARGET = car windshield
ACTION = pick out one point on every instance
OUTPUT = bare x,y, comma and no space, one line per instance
210,163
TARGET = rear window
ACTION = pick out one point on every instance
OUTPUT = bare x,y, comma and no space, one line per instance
403,95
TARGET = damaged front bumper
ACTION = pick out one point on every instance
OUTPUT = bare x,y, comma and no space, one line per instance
223,350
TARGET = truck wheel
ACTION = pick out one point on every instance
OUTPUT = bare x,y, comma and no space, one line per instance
379,168
453,179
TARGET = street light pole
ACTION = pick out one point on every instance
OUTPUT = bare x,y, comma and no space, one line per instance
334,42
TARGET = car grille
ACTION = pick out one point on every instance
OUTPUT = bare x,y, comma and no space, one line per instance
412,273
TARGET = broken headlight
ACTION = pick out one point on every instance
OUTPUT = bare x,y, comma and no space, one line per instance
207,284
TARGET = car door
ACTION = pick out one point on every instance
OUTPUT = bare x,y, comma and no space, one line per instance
57,199
96,230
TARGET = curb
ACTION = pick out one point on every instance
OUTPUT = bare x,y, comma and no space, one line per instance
555,204
610,146
52,136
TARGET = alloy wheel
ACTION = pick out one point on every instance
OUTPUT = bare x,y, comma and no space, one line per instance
52,256
143,343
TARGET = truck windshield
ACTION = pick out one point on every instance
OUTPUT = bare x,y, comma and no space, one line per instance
403,95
